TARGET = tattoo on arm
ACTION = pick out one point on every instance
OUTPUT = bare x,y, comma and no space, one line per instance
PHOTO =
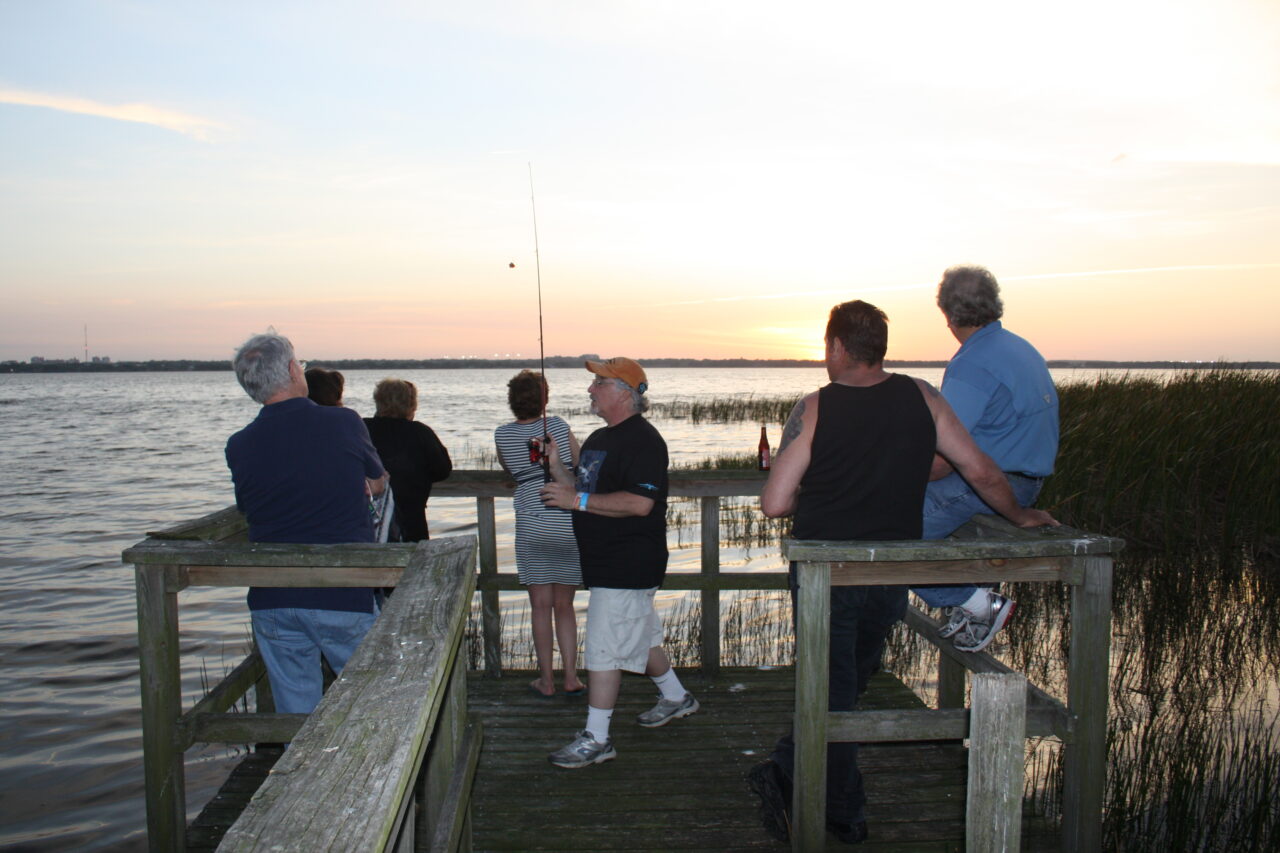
793,426
929,389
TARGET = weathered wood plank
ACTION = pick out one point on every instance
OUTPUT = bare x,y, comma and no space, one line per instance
245,728
161,707
672,581
997,743
270,554
341,784
1002,569
1085,760
813,638
1045,545
710,542
218,525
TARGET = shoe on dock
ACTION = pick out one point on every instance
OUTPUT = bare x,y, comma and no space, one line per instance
957,617
979,632
769,784
584,750
666,711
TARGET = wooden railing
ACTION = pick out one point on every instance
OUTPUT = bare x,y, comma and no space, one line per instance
386,760
987,550
204,552
707,486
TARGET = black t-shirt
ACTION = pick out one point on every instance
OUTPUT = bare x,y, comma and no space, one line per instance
872,450
624,553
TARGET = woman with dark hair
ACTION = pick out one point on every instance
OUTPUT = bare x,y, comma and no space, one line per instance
546,552
324,386
411,453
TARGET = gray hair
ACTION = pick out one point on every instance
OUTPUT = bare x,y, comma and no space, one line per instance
970,296
639,402
262,365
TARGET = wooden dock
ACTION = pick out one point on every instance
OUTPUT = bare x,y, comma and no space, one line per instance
409,751
683,786
680,787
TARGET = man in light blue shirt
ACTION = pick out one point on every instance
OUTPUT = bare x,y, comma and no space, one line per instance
1000,388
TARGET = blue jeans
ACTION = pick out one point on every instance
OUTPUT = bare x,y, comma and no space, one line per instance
292,639
861,617
949,503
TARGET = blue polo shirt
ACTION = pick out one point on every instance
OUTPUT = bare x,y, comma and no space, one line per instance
299,471
1000,387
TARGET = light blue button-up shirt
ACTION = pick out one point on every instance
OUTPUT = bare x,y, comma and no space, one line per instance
1000,387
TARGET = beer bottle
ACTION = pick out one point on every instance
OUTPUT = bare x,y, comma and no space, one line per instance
762,460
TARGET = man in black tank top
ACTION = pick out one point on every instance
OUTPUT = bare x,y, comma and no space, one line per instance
853,465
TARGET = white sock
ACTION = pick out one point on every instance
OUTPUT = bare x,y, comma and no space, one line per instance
979,604
669,684
598,723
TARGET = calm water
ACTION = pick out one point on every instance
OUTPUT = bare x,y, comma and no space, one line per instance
93,461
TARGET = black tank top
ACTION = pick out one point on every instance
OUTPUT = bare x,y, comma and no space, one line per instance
872,451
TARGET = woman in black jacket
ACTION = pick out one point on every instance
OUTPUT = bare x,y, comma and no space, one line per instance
410,452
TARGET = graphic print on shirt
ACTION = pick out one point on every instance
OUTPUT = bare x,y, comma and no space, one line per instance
589,470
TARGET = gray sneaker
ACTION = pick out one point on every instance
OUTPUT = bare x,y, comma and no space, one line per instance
666,711
979,633
583,751
957,617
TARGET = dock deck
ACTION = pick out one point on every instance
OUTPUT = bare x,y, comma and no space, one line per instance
683,786
679,787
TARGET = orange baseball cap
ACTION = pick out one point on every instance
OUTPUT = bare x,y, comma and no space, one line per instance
626,369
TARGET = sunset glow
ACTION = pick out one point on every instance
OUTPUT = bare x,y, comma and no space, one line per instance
710,178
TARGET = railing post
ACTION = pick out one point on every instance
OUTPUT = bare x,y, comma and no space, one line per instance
813,648
442,756
997,744
490,616
1085,759
950,683
711,594
161,708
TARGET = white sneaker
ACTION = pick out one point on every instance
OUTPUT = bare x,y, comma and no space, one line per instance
583,751
978,633
666,711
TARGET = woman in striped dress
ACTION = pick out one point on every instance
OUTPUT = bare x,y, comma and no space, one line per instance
546,552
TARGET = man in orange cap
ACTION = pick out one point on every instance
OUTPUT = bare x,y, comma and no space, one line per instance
619,499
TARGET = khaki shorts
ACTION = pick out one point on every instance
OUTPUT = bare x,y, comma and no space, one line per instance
621,628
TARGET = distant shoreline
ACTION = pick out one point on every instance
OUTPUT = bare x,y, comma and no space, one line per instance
576,361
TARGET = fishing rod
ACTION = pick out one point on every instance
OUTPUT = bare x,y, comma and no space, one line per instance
542,355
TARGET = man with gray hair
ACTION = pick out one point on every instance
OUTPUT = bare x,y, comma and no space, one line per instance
1000,388
302,473
619,499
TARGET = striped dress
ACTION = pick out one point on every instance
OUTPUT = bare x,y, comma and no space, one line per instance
546,551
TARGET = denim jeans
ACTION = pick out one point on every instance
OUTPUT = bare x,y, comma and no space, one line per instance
861,617
292,639
948,504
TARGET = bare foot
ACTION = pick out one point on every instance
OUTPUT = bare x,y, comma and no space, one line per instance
574,687
542,688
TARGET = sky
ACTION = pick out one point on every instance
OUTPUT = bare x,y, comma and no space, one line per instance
696,179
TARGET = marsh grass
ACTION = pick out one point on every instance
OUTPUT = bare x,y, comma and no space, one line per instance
1187,464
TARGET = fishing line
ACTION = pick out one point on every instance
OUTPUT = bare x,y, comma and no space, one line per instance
542,355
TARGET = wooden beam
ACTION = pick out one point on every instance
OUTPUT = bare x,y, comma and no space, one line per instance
997,742
244,728
352,764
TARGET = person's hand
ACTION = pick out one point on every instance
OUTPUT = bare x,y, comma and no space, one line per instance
558,495
546,446
1037,518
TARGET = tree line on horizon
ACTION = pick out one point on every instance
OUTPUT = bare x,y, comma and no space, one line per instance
564,361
